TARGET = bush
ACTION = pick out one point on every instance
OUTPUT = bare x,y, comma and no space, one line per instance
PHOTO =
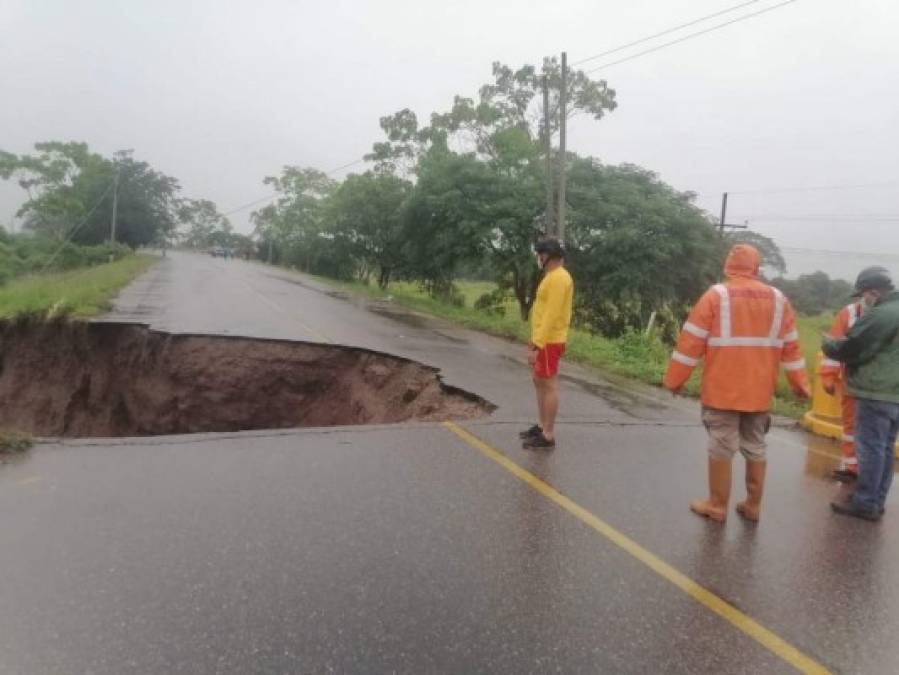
493,303
28,254
14,442
646,356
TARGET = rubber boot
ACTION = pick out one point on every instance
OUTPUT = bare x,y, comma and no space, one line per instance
715,507
755,484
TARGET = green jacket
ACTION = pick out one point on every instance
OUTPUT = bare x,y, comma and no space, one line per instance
870,350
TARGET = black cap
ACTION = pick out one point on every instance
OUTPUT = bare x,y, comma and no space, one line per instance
873,278
551,247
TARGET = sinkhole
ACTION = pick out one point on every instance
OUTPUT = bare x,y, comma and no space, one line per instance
76,379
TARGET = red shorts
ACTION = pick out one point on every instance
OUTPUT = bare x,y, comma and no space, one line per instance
548,358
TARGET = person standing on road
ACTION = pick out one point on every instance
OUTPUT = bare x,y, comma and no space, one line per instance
870,351
550,318
833,378
745,330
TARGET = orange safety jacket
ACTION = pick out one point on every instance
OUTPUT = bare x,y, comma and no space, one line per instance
831,371
745,330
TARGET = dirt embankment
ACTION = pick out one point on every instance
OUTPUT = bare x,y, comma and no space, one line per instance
95,380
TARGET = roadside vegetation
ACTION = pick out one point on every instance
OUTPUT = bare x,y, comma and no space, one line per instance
464,196
635,355
14,442
80,293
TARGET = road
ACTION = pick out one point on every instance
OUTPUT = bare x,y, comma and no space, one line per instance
425,547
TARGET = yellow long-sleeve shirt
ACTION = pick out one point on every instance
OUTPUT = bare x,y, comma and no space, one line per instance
551,314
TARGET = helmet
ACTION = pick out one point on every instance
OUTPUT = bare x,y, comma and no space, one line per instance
551,247
873,278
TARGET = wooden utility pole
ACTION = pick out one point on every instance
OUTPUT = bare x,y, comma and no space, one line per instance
115,206
723,213
549,225
563,115
723,225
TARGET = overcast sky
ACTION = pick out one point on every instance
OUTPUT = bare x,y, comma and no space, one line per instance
221,94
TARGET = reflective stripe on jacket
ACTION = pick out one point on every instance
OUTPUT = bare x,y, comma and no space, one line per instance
745,331
829,370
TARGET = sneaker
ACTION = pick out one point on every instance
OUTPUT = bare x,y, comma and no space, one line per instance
848,509
539,442
533,432
844,475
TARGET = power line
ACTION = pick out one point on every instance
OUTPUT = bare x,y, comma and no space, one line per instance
242,207
857,254
690,36
827,219
665,32
814,188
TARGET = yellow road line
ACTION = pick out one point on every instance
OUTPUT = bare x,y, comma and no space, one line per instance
728,612
29,480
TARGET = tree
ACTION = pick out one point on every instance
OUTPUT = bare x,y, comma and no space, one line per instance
512,101
488,151
637,246
772,258
70,194
365,216
206,227
295,222
812,294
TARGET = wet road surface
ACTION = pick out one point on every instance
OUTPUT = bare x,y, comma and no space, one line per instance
406,548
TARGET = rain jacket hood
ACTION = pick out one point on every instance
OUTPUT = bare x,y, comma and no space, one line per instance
743,262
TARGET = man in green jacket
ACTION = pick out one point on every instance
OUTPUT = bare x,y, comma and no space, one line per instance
870,350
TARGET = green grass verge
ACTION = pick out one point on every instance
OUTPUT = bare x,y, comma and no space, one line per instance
81,293
13,442
633,356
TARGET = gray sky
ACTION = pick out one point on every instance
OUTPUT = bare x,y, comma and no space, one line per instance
221,94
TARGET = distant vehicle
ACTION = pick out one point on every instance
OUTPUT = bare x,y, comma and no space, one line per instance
217,252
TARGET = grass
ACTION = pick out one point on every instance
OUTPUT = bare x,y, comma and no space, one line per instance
633,356
81,293
12,442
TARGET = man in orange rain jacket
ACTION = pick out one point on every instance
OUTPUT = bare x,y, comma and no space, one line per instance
745,330
833,376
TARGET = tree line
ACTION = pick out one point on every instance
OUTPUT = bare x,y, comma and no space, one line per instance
465,194
462,195
70,192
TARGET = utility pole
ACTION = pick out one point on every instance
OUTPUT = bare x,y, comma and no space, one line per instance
115,205
723,212
549,224
724,224
563,115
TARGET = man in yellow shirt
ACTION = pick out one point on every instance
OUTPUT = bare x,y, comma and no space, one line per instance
550,318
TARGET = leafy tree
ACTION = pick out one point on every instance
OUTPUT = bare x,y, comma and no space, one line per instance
771,256
638,246
443,224
206,227
812,294
512,101
365,216
295,223
70,187
491,188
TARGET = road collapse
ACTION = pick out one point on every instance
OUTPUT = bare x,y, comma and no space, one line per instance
75,379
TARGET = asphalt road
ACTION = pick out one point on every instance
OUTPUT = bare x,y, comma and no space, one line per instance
425,547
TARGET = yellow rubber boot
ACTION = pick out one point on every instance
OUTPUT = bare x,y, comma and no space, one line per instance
755,485
715,507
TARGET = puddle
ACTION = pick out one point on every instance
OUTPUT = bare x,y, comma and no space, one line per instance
405,318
